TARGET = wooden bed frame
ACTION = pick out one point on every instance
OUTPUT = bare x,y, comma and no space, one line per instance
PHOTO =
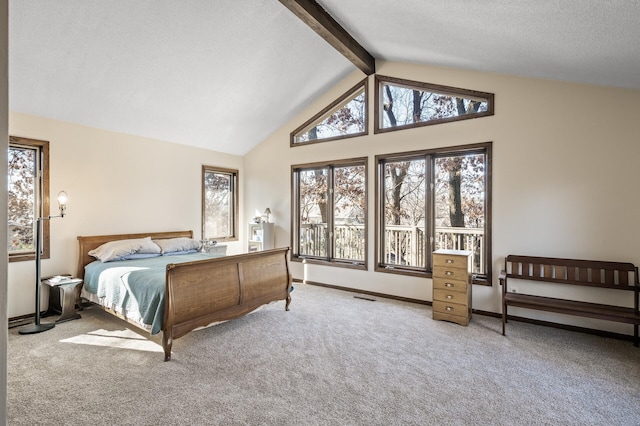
202,292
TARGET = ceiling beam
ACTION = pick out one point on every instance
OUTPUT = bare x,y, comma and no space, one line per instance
312,14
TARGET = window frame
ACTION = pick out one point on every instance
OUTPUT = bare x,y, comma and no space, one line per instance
234,190
434,88
430,155
330,260
329,108
42,199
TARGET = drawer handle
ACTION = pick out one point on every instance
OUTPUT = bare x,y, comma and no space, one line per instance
448,296
448,273
449,308
450,285
449,261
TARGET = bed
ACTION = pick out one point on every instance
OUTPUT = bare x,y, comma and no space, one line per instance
196,290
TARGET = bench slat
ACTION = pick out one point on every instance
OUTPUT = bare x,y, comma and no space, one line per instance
536,270
609,276
561,272
623,278
596,275
583,274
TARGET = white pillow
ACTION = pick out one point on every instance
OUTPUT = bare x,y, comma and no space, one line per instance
119,249
148,246
170,245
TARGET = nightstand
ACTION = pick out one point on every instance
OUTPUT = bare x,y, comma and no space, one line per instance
261,236
63,296
217,249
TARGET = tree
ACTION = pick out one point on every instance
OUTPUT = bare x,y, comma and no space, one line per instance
346,196
21,198
398,172
453,167
405,106
460,190
348,119
217,199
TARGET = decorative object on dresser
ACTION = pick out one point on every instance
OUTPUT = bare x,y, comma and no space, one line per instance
38,327
260,236
615,276
452,286
195,291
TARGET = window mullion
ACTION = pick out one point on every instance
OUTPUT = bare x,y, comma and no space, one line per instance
430,213
330,213
381,186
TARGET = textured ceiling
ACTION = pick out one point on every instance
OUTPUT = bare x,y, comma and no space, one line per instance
585,41
225,74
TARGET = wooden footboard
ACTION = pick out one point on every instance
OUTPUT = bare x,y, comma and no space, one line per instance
206,291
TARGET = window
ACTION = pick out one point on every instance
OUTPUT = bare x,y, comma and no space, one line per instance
28,197
329,212
434,199
219,204
404,104
345,117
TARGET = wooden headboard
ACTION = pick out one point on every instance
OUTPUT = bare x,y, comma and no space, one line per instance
86,244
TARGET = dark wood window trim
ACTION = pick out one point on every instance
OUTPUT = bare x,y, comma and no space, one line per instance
236,196
43,149
330,107
445,90
486,148
295,216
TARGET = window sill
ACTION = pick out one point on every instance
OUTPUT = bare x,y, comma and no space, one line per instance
334,263
423,274
26,257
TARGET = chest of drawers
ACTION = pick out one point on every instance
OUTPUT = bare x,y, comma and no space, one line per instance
452,286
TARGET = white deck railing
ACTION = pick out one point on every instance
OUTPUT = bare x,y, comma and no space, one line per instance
471,239
403,245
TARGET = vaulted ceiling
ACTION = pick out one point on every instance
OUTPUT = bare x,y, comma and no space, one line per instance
225,74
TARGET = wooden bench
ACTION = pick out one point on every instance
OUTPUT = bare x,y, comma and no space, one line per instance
610,275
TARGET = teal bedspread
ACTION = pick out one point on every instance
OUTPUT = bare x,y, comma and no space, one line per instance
135,288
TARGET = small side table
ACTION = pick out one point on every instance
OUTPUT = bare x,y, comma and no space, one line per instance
63,296
217,249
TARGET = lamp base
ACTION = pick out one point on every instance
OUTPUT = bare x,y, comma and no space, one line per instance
36,328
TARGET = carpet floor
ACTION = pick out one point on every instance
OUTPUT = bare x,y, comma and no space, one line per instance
332,360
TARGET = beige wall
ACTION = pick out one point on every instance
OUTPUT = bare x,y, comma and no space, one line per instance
564,182
116,183
565,176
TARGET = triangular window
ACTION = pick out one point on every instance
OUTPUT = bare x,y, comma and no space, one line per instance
402,104
346,117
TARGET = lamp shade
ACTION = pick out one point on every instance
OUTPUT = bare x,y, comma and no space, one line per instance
63,198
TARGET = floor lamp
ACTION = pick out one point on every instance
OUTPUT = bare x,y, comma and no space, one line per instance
37,327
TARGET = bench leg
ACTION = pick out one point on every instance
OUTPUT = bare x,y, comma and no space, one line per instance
504,317
636,341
